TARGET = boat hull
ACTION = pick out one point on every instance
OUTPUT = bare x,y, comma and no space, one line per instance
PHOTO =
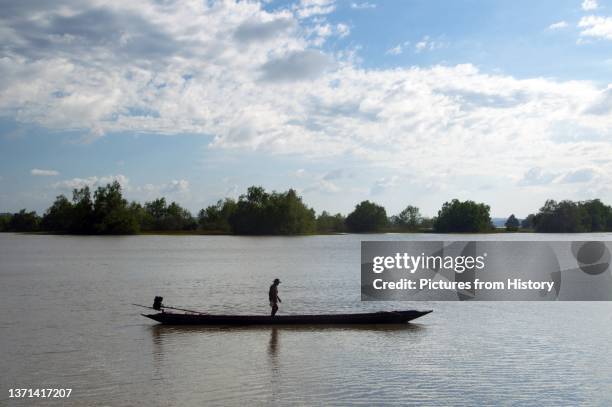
385,317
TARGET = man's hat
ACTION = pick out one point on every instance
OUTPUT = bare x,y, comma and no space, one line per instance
276,280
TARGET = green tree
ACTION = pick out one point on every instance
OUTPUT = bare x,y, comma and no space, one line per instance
156,212
327,223
5,219
59,216
179,218
286,214
216,218
258,212
597,216
561,217
367,217
249,215
24,221
463,217
528,222
82,212
426,224
409,219
512,224
571,217
111,212
140,214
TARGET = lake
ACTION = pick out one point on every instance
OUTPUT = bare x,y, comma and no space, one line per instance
67,322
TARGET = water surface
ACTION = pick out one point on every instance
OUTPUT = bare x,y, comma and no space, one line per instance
66,321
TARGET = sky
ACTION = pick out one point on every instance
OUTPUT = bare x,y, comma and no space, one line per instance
399,102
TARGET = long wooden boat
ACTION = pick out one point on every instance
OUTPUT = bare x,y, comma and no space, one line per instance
384,317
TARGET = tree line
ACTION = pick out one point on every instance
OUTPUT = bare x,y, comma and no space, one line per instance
258,212
570,217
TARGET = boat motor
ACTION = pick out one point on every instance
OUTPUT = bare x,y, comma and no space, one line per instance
157,303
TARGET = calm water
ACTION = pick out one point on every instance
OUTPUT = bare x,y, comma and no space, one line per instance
66,321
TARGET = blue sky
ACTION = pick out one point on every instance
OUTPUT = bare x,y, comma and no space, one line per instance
400,102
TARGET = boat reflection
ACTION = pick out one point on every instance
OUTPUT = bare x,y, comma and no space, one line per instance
273,344
171,333
271,357
160,330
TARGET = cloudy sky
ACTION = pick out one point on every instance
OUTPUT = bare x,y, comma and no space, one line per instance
400,102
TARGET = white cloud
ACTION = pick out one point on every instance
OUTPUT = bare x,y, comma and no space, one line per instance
334,174
420,46
309,8
558,25
603,103
540,177
232,191
578,176
308,64
91,182
176,186
342,30
320,33
43,173
257,30
258,80
589,5
397,50
596,26
150,191
363,6
537,176
382,184
427,44
322,185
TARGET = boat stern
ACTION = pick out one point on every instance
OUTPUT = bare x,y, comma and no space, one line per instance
155,317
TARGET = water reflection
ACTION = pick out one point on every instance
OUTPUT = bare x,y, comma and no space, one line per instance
267,363
172,335
273,345
275,373
160,331
463,354
158,351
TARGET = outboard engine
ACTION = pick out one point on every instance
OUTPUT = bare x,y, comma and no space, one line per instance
157,303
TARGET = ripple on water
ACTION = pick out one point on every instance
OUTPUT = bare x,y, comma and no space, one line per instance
77,330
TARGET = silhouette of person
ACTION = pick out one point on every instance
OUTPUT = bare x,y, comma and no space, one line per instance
273,296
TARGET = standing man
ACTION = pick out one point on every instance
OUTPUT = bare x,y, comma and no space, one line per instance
273,295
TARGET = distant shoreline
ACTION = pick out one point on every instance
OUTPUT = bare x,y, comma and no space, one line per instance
261,213
213,233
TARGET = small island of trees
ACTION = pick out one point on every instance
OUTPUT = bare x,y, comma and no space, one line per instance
258,212
463,217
